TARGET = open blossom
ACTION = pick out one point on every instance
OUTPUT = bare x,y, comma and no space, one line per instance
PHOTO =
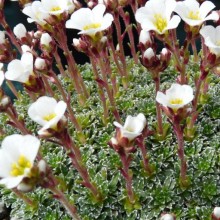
177,96
56,7
20,70
156,16
211,36
194,15
47,112
35,13
94,21
17,155
133,126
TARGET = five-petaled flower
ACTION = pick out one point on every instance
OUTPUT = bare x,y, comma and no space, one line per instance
20,70
177,96
156,16
17,155
194,15
133,126
211,36
94,21
47,112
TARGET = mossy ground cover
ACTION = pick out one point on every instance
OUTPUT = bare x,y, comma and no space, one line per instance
158,193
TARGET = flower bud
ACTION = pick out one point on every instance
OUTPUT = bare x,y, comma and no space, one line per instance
42,166
2,37
20,31
45,39
216,213
23,187
26,48
167,217
149,54
144,37
40,64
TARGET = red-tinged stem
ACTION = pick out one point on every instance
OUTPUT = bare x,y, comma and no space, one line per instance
65,202
70,110
11,34
25,198
101,91
47,85
59,63
102,64
75,155
183,166
130,35
156,79
120,40
13,89
195,53
125,159
11,112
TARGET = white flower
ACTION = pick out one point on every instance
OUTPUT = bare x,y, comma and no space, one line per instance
144,37
2,76
20,70
211,36
45,39
47,112
176,96
35,12
216,212
93,22
156,16
20,31
56,7
17,156
194,15
167,217
133,126
2,37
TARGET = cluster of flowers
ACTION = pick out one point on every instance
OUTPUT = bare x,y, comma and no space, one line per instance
19,152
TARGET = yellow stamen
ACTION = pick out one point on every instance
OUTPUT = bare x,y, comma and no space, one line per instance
176,101
56,8
91,26
160,22
194,15
19,167
49,117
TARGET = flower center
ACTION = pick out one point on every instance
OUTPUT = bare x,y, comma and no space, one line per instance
160,22
130,129
194,15
91,26
176,101
56,8
49,117
19,168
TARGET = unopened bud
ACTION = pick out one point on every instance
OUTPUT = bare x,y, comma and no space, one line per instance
42,166
216,212
20,31
45,39
24,187
76,42
2,37
40,64
167,217
149,53
144,37
25,48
